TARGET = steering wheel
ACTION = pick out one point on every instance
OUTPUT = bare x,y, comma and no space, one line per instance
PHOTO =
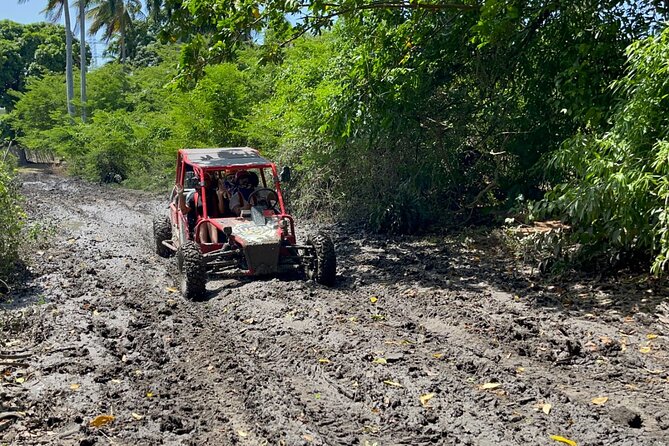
266,197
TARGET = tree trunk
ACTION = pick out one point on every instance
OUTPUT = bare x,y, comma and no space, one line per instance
69,79
82,53
122,43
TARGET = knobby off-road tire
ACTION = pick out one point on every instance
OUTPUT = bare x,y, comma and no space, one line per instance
323,267
192,270
162,230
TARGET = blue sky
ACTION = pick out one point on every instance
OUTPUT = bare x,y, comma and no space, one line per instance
30,12
26,13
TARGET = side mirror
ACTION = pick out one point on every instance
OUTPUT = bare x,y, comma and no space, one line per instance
285,174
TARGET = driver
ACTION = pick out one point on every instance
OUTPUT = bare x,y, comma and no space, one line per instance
246,183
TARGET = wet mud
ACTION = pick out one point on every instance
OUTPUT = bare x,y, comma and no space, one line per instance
424,340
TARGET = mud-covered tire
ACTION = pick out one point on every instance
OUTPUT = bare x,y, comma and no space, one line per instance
323,266
192,271
162,230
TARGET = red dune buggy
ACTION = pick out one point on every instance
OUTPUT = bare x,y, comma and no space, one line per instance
256,239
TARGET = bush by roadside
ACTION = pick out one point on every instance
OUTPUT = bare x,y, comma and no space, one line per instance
11,217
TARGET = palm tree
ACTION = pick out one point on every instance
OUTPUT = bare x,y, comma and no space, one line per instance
114,17
82,54
54,10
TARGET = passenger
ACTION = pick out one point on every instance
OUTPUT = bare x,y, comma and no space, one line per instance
246,183
215,197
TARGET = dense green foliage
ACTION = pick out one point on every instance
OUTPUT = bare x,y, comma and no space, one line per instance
11,218
399,114
28,51
616,193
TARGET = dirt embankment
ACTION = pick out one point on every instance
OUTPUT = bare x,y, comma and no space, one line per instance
438,340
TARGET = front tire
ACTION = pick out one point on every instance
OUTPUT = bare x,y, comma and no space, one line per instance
322,267
162,231
192,271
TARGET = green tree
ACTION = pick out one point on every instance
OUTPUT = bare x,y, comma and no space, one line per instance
616,188
54,10
28,50
115,18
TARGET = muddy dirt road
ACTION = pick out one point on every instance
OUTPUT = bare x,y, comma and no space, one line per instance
439,340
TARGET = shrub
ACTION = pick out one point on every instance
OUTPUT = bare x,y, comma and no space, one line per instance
11,218
616,195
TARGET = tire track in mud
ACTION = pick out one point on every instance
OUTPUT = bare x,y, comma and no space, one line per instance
289,362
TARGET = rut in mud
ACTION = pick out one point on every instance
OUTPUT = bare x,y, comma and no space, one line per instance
438,340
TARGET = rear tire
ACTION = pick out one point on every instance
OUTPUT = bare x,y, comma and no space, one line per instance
323,266
162,231
192,270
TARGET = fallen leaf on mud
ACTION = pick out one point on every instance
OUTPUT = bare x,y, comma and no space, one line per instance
645,349
324,361
544,407
392,383
425,399
437,355
563,440
149,394
380,361
373,299
171,289
101,420
488,386
600,400
242,434
136,416
308,438
651,336
75,386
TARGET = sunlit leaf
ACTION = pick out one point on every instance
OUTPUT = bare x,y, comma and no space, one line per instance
380,361
101,420
74,386
324,361
136,416
645,349
488,386
563,440
651,336
392,383
242,433
373,299
425,399
172,289
600,400
20,379
437,355
544,407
